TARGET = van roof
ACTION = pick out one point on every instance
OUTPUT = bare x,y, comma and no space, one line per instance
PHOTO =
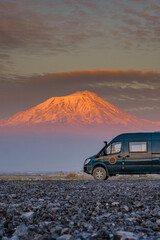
137,135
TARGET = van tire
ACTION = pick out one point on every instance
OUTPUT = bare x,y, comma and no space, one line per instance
99,173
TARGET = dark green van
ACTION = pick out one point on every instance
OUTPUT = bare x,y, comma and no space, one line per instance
128,153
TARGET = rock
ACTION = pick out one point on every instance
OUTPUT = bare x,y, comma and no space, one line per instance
95,236
84,235
21,231
65,237
3,205
122,235
55,210
103,234
131,219
88,227
71,224
65,231
41,200
158,222
115,204
57,229
139,205
28,217
67,197
13,196
80,210
38,237
126,208
97,208
14,238
107,205
1,233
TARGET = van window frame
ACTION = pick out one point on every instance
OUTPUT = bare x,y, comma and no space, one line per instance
138,142
111,153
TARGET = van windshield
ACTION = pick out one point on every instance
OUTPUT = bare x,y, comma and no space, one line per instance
102,151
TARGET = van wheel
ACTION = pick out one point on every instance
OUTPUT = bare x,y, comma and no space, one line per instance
99,173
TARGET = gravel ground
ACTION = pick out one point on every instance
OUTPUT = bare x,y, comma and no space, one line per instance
68,210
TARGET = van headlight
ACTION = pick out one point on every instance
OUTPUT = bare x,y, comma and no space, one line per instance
87,161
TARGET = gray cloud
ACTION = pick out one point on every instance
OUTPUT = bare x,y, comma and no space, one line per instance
67,26
46,27
138,23
127,85
22,26
136,109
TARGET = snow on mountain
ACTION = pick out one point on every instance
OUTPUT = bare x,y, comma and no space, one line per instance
77,110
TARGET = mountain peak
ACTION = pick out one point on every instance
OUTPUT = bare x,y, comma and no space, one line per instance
84,93
82,108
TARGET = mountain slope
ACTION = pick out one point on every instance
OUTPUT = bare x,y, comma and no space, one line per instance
78,109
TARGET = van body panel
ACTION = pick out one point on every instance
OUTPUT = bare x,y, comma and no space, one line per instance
156,152
113,163
138,162
97,163
139,154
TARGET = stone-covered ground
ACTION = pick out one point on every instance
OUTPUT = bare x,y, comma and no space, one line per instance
66,210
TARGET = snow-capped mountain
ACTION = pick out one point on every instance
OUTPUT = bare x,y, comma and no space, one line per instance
78,110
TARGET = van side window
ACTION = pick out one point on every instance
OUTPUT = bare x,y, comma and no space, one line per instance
113,148
137,147
116,147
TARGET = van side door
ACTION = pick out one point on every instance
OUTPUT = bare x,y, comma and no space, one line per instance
138,156
156,152
113,158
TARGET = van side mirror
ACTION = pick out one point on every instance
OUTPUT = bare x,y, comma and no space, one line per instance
105,142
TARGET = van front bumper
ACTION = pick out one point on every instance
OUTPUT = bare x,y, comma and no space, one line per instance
88,169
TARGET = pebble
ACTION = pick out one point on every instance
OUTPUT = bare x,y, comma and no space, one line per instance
126,208
115,203
21,231
65,237
158,222
28,217
80,210
122,235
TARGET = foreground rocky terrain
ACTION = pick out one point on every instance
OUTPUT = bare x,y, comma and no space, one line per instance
66,210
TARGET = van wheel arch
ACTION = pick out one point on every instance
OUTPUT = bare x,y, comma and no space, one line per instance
99,166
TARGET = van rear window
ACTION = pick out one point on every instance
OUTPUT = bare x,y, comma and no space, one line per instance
137,147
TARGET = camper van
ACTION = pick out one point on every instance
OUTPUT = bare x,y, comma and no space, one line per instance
128,153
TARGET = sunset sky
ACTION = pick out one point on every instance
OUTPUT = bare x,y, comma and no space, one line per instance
56,47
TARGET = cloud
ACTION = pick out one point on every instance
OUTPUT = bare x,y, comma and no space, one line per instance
125,89
128,85
138,24
137,109
66,27
22,26
29,28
